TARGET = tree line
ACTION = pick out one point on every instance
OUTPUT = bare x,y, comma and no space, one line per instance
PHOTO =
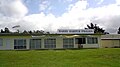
96,28
6,30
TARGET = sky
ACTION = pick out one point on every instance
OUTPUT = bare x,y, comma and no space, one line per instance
50,15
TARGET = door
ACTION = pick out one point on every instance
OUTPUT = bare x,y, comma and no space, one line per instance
80,41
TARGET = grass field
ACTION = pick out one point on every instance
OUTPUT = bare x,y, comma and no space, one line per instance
109,57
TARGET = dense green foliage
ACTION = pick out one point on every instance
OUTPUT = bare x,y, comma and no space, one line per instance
109,57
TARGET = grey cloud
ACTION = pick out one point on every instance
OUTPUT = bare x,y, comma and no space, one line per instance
110,24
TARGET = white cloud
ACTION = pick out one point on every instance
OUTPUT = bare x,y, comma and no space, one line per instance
67,20
64,1
11,12
12,8
100,1
44,5
118,2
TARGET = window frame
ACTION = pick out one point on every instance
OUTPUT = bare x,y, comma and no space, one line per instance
1,42
34,43
20,45
92,40
50,43
68,42
81,40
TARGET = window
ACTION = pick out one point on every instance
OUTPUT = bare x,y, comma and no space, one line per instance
80,41
1,42
50,43
19,44
35,43
68,43
92,40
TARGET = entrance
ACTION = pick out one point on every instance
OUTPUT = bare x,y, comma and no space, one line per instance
80,41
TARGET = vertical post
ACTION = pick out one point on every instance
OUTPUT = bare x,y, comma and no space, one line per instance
86,40
27,43
42,43
74,43
119,43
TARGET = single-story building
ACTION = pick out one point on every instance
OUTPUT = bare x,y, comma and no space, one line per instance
62,39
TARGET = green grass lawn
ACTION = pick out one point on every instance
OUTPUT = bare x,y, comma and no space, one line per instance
109,57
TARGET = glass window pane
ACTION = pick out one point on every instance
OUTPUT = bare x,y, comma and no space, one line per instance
1,42
68,43
92,40
50,43
19,44
35,43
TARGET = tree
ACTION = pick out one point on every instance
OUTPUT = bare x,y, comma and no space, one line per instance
118,30
6,30
30,32
25,32
91,26
96,28
47,32
2,31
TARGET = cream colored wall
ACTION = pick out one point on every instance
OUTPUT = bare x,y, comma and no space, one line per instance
27,43
11,44
75,45
106,43
42,42
110,43
59,42
5,46
116,43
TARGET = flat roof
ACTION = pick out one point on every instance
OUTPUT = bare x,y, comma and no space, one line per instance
110,37
24,34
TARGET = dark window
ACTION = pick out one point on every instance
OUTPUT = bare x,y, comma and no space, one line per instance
92,40
19,44
1,42
80,41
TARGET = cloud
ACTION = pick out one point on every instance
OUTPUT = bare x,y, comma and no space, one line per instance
44,5
69,19
12,8
11,12
100,1
64,1
106,17
118,2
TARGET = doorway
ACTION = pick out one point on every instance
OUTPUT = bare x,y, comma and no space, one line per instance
80,41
